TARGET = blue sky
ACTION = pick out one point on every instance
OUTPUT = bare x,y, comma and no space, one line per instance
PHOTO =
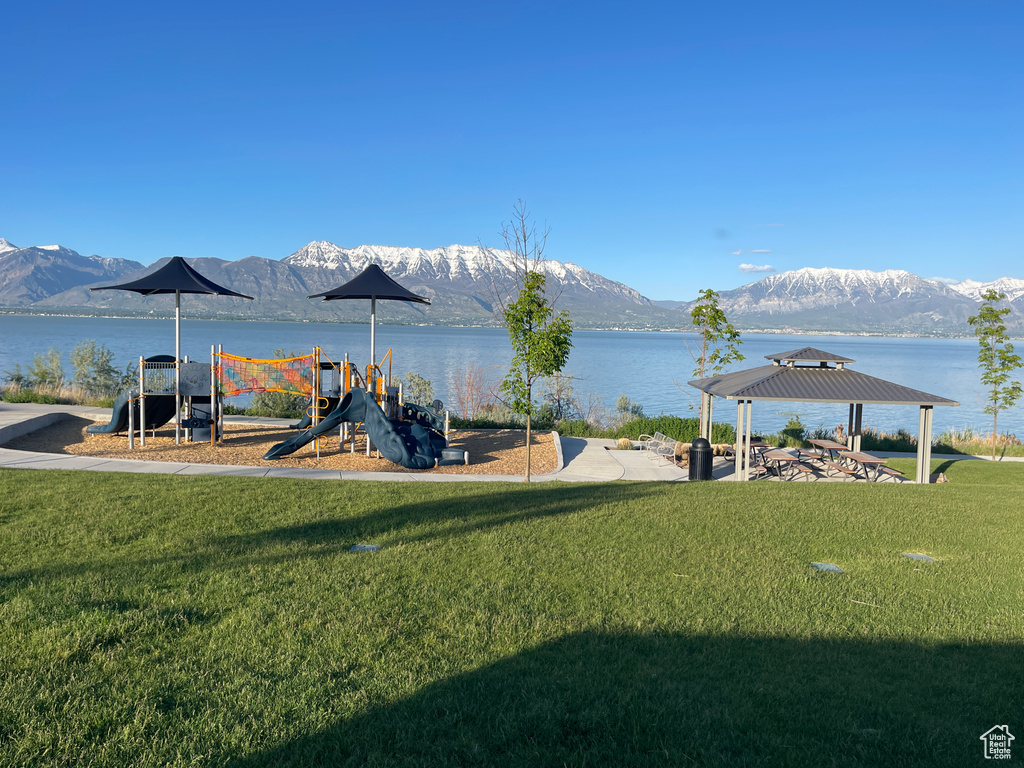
665,144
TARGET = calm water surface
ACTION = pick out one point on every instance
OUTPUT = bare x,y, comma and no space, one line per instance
652,368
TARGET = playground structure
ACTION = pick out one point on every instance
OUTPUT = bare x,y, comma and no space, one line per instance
341,399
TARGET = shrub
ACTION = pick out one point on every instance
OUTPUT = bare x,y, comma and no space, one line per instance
46,370
794,434
280,405
94,369
416,389
624,444
18,395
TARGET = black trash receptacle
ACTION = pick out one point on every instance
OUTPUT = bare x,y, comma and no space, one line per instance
701,459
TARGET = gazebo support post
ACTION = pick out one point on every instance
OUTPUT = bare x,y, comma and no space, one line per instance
849,429
705,416
746,442
711,408
739,474
924,445
858,415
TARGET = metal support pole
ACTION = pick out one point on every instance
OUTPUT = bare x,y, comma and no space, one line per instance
220,400
142,402
920,475
929,415
131,423
746,442
703,414
373,343
738,474
857,417
316,396
849,430
177,368
213,397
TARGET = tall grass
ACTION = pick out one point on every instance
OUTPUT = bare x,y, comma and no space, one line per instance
54,394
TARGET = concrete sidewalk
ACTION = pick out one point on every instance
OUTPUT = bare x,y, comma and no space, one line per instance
580,460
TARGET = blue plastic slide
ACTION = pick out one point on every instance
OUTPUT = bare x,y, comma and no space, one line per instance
408,444
159,410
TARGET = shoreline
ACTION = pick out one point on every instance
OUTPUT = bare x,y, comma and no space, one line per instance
21,312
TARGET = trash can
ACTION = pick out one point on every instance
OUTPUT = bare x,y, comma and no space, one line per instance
701,459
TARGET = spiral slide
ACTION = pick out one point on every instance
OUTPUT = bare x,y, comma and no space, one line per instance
410,445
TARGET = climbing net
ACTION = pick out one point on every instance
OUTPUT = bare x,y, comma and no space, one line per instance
236,375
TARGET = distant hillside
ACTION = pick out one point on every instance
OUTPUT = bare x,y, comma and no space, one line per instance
456,279
28,275
857,301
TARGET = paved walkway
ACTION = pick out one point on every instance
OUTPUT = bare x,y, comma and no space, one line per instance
580,460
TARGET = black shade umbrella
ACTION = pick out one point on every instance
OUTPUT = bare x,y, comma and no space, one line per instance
372,283
176,277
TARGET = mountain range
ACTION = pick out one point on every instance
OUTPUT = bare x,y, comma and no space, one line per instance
459,279
861,301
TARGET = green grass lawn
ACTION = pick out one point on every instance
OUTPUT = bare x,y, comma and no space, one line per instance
160,620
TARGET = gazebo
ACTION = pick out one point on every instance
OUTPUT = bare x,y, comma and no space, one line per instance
814,376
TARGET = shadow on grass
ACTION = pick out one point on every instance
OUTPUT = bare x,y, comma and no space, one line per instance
442,517
603,699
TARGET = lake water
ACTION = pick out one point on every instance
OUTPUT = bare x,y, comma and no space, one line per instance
647,366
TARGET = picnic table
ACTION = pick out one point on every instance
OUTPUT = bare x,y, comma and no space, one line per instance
870,464
757,448
778,459
828,448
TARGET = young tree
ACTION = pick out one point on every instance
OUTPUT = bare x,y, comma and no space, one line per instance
470,391
416,389
718,342
996,358
541,341
46,371
94,368
524,253
560,398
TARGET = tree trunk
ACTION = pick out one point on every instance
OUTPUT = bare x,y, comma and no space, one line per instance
995,433
527,447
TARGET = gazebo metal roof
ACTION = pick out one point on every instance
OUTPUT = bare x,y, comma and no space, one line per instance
806,355
813,385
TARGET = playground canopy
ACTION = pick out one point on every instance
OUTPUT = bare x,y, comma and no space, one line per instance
372,283
804,375
177,277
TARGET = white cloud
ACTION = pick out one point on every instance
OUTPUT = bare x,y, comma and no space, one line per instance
737,253
756,268
761,251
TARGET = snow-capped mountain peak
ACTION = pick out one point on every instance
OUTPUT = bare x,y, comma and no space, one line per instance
1011,286
6,245
468,267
